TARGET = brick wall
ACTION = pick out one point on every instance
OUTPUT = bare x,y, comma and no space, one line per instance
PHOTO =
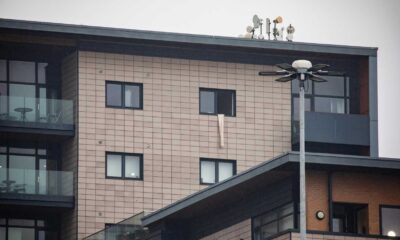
296,236
69,77
317,199
170,132
373,189
240,231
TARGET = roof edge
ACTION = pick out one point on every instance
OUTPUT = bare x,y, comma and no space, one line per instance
184,38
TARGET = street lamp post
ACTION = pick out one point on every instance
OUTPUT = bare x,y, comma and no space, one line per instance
302,70
303,218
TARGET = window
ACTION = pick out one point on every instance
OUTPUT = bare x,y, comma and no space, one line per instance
216,170
350,218
217,101
273,222
390,221
332,96
28,229
124,95
125,166
26,166
25,87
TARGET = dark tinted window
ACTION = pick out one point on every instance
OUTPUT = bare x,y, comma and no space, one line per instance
225,103
273,222
333,87
21,71
3,70
114,95
350,218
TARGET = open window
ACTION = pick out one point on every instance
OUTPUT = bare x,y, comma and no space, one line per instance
217,101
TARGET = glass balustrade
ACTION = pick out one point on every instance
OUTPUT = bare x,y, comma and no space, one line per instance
130,228
36,112
37,182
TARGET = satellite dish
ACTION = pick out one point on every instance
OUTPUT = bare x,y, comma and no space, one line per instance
256,21
249,29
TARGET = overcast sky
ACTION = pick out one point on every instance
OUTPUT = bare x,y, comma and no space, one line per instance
372,23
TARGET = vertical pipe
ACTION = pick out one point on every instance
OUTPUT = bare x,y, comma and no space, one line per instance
330,201
302,165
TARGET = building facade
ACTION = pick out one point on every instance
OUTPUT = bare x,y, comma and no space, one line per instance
99,124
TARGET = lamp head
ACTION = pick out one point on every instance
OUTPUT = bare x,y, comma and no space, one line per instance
391,233
302,65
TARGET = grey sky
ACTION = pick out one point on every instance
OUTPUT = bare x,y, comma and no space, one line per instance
372,23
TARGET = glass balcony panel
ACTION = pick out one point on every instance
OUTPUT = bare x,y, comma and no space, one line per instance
130,228
17,233
22,178
36,112
37,182
22,105
2,233
42,178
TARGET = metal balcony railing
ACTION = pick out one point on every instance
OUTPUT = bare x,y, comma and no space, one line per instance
36,182
36,113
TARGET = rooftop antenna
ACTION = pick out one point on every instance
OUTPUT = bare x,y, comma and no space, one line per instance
257,22
290,31
249,32
275,30
268,28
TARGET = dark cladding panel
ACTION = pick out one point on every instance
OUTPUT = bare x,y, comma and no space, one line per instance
337,128
247,206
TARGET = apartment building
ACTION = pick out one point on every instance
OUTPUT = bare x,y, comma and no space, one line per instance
100,124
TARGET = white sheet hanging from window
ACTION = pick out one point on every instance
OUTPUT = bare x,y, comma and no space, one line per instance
221,130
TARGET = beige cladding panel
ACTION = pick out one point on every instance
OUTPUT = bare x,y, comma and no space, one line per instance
169,131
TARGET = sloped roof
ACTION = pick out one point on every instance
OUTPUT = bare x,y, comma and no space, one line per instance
312,160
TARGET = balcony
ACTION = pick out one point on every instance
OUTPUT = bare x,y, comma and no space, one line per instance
334,128
36,187
130,228
36,115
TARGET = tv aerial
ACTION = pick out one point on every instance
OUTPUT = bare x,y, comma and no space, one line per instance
257,23
268,27
277,32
